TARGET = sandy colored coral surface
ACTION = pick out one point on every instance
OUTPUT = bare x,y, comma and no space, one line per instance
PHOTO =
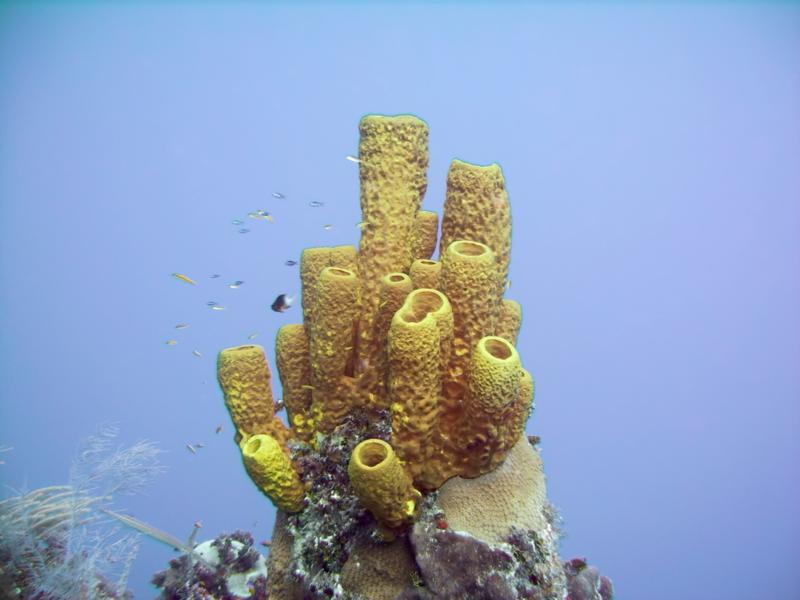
513,494
282,585
378,571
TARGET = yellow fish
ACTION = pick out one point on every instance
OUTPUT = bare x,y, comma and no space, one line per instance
184,278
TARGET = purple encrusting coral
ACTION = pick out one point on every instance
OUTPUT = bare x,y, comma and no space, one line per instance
585,582
328,535
455,564
226,568
333,515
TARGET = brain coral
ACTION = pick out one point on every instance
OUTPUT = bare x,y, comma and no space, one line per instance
404,471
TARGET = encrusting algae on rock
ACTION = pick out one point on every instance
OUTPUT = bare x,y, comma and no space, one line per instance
403,390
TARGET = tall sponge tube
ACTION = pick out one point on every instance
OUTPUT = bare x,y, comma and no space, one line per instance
382,485
246,381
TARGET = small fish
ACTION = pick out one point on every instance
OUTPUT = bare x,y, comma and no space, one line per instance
199,445
290,263
261,214
327,227
215,276
353,159
316,203
191,449
237,222
243,230
266,543
278,195
181,326
235,285
217,307
171,342
197,353
252,336
184,278
508,284
218,429
211,303
282,303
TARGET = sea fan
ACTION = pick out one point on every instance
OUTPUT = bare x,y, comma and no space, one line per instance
56,543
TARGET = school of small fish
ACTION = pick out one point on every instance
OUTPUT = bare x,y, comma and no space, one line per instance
282,302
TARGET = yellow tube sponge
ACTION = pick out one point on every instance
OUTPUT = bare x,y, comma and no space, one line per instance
514,419
494,382
336,306
344,257
393,170
426,229
509,320
469,280
382,485
394,288
476,208
272,471
294,368
425,273
415,377
312,261
245,379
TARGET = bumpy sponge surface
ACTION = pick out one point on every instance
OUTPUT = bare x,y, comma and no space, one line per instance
272,471
381,484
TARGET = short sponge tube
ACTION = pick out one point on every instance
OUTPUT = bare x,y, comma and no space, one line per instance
382,485
494,375
493,388
271,470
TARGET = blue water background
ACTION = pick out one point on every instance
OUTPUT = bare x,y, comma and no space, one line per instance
652,155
